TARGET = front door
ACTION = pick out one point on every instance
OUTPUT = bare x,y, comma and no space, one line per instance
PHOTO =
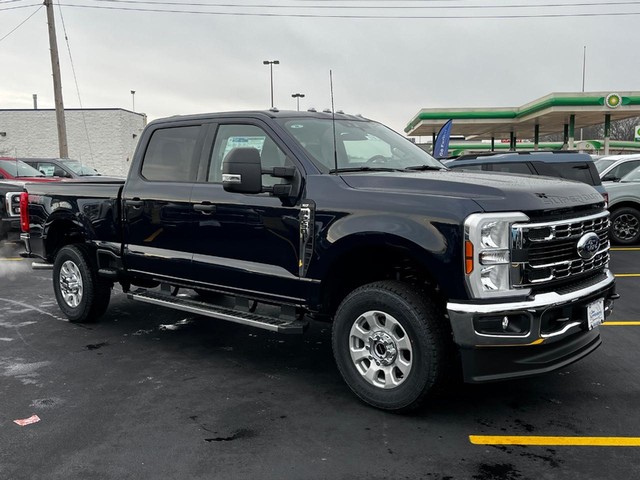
245,243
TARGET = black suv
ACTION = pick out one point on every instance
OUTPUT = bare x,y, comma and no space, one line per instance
569,165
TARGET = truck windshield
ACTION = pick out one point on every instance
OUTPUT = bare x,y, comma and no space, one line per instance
18,168
358,145
79,168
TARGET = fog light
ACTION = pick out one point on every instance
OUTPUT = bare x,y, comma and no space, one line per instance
516,324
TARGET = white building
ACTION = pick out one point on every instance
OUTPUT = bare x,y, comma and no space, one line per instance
103,138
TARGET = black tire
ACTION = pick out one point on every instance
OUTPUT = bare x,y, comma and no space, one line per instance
625,226
398,309
84,301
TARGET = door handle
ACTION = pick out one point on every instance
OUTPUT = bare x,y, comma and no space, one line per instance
135,202
206,208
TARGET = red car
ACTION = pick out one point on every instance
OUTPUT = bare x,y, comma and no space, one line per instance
14,169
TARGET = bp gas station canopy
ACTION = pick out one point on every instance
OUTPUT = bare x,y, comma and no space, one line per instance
554,113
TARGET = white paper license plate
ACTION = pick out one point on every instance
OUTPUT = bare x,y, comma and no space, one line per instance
595,313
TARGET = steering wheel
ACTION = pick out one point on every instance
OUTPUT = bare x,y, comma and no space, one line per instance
377,159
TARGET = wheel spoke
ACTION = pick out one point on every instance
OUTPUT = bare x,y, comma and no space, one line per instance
372,374
358,332
359,354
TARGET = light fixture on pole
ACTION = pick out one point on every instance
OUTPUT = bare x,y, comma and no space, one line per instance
297,96
133,100
271,63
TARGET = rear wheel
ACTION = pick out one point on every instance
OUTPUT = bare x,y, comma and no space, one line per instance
625,226
81,294
391,345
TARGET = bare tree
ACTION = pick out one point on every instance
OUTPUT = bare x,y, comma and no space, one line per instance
620,130
624,129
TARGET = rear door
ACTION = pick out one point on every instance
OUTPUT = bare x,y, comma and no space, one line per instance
159,219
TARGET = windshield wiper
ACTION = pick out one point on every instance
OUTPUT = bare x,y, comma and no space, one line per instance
426,167
365,169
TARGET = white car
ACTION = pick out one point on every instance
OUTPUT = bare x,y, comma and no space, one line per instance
624,206
613,167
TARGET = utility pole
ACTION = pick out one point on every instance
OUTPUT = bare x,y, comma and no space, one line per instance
584,69
57,82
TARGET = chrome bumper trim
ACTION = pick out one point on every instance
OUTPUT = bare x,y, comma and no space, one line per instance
542,300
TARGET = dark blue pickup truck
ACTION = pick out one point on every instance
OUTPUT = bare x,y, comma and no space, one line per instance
271,218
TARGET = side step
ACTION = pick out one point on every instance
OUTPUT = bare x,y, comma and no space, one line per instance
201,308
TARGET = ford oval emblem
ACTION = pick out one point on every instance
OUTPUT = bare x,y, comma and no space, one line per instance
588,245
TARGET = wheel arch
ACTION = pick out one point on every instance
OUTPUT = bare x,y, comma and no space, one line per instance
63,229
363,258
624,204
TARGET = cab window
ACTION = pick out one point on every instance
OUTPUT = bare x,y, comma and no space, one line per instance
229,137
170,155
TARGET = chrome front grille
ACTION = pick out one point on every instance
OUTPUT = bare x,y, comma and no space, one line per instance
547,252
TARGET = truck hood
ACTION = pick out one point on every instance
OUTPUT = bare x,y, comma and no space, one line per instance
492,191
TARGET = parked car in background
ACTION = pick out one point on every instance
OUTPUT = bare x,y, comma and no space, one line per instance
613,167
14,169
624,206
62,167
560,164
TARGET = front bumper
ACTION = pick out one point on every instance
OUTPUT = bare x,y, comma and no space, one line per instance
556,335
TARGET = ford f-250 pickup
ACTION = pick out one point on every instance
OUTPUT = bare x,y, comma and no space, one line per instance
419,269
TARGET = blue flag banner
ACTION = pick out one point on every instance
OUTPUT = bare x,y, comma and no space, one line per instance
441,147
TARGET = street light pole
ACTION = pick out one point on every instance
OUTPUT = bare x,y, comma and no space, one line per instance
298,96
133,100
271,63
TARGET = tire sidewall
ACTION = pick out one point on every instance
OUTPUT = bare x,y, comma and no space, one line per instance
614,217
414,385
73,254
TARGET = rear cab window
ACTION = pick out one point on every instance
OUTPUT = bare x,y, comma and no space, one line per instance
578,171
171,155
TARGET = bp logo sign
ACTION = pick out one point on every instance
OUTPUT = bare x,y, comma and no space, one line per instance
637,135
613,100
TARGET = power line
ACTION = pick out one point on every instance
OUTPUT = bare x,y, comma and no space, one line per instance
376,7
359,16
20,6
22,23
75,79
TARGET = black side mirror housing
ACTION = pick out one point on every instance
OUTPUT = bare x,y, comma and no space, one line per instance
242,171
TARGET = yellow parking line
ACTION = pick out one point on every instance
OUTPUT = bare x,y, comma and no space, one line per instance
627,275
625,249
621,324
11,259
555,441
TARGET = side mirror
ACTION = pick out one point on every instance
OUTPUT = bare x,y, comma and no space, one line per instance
242,171
609,177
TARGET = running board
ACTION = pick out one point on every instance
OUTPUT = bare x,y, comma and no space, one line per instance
201,308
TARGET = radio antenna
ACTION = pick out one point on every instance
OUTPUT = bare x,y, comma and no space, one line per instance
333,122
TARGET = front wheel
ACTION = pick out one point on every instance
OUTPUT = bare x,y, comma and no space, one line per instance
391,345
625,226
81,294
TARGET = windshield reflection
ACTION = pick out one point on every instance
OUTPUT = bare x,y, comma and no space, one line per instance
358,145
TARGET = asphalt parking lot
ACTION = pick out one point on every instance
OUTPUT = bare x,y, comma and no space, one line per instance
152,393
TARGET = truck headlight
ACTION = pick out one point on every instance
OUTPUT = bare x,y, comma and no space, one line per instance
487,252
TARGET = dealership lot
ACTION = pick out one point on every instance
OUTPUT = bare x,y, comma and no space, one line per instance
153,393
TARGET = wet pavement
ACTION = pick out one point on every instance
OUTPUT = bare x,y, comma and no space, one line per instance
154,393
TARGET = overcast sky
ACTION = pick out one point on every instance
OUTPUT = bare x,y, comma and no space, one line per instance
385,69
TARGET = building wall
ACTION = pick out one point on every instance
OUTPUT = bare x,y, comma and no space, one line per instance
104,139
